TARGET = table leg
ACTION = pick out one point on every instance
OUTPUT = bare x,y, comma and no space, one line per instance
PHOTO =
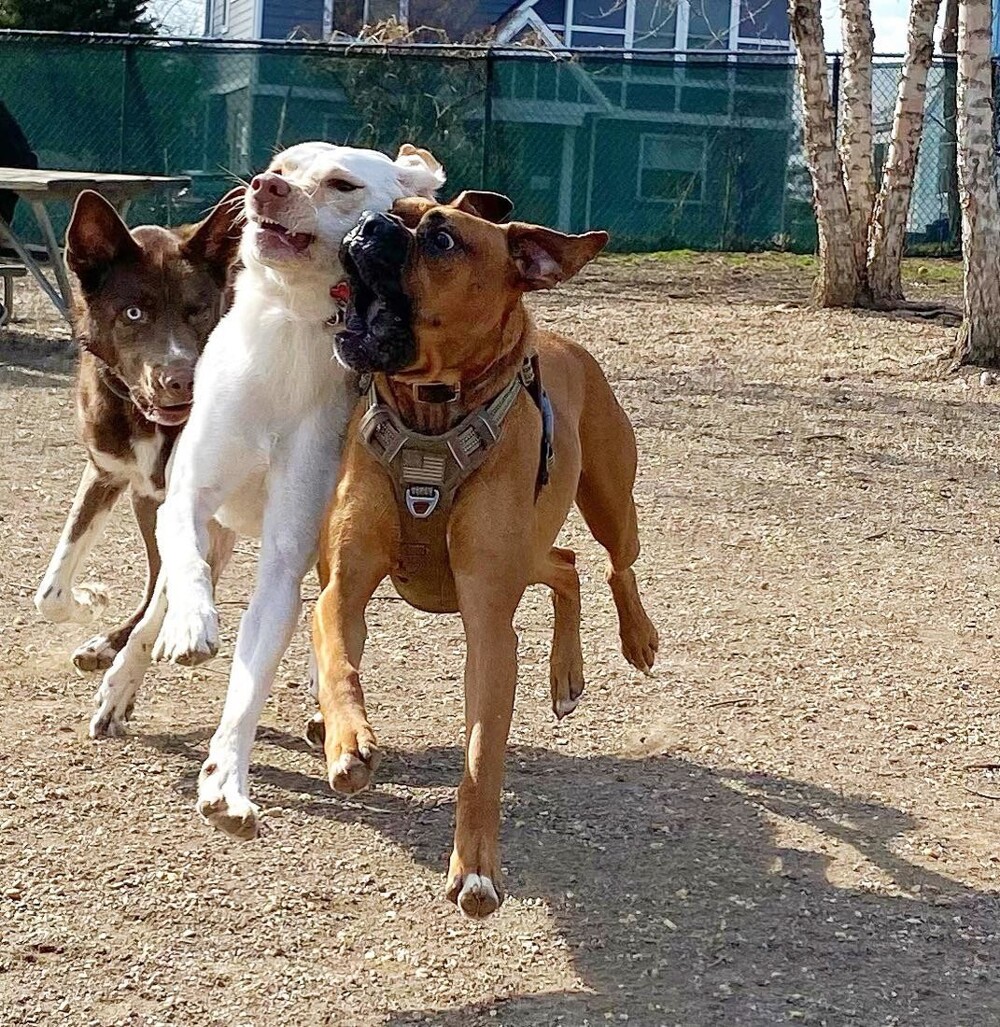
7,234
55,254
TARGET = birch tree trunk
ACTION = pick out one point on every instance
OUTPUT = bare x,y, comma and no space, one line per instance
979,338
892,207
839,281
855,143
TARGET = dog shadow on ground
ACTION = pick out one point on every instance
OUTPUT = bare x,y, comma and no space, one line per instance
678,903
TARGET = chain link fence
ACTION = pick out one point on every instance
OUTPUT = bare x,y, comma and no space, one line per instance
664,151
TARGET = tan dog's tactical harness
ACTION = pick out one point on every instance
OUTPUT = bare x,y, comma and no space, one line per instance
426,472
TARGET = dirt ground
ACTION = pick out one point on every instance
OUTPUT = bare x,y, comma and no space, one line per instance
786,824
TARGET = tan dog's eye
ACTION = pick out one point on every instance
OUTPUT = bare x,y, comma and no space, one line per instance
442,240
341,185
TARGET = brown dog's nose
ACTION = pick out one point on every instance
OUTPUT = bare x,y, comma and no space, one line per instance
270,184
177,383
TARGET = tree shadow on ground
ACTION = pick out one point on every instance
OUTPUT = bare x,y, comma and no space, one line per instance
679,905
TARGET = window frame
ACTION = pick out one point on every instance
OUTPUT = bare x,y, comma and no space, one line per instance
671,137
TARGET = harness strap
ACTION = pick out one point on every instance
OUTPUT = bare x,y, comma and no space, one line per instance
426,472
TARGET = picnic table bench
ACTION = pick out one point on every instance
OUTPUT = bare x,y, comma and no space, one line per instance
41,187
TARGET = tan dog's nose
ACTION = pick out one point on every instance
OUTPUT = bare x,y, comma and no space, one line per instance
177,383
270,184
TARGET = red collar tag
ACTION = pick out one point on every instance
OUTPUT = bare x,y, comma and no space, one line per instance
341,293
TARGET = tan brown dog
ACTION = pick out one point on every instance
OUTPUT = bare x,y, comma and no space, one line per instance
437,317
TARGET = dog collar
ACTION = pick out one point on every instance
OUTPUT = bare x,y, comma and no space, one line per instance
340,293
115,382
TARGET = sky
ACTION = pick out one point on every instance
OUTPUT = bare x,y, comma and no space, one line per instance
888,16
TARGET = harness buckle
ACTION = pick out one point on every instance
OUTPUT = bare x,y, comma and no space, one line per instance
422,500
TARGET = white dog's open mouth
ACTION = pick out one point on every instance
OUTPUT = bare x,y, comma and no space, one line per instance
274,233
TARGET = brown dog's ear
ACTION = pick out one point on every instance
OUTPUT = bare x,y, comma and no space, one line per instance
95,238
544,257
411,209
490,206
215,241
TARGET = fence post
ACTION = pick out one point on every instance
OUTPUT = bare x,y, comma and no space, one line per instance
121,112
487,120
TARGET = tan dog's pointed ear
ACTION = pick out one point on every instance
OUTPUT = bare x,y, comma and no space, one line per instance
420,172
544,257
96,237
490,206
411,209
215,241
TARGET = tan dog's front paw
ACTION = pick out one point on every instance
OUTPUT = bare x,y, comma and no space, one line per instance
476,890
352,756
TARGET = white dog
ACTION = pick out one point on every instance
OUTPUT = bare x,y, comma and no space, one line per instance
260,453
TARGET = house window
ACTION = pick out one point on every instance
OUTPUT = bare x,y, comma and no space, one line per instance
671,168
767,21
377,11
223,15
669,24
655,24
596,23
708,25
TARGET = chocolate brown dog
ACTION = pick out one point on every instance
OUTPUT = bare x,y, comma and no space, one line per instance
446,483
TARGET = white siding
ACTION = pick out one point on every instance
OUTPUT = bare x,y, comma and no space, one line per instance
240,19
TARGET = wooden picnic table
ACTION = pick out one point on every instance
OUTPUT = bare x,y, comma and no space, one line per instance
40,187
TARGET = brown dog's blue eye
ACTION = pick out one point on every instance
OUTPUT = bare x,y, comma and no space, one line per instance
443,241
133,314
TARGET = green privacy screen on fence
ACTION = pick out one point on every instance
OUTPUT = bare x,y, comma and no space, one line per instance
664,151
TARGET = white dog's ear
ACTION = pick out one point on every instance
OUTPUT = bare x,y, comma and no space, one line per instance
420,172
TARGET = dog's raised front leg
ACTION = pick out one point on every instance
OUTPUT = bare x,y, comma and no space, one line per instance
288,549
57,599
356,558
98,653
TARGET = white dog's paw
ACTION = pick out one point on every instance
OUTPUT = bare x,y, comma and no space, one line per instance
115,699
81,605
222,804
189,636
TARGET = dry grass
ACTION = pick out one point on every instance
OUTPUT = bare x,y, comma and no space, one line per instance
779,827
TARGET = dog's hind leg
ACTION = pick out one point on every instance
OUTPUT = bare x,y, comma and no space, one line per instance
604,496
98,653
566,660
57,599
